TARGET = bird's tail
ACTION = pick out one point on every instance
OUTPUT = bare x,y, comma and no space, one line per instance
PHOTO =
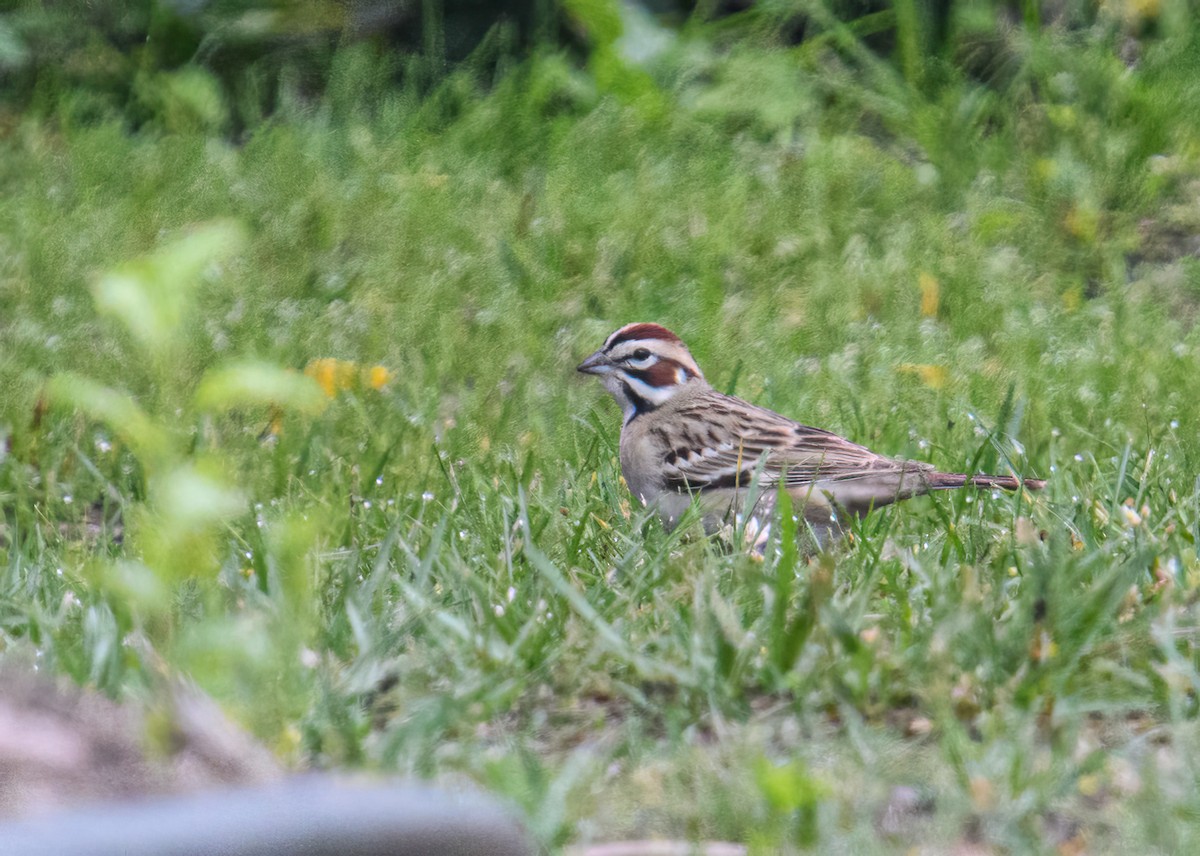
944,481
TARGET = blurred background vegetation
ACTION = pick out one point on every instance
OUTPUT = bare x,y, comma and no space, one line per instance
227,64
290,298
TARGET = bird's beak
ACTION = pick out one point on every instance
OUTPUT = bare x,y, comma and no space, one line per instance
596,364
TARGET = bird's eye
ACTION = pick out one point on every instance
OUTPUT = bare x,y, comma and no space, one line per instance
641,354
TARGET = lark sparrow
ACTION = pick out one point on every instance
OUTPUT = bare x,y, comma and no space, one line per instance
682,440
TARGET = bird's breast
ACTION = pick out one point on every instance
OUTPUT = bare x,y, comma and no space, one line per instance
636,467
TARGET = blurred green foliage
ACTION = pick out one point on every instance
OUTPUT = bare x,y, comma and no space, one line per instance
982,256
223,65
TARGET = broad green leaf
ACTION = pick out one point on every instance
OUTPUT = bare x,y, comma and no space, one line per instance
252,383
138,585
151,296
117,410
188,499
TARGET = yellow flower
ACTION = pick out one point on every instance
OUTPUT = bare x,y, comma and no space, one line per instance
336,375
378,376
933,376
930,294
330,373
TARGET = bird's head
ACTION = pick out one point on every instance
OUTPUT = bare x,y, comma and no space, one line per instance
643,365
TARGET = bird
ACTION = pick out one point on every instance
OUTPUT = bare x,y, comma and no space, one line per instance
683,441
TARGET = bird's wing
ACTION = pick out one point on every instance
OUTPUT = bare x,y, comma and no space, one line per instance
754,437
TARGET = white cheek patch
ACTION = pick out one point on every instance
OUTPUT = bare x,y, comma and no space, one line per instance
656,395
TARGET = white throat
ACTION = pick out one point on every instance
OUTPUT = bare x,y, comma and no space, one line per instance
634,395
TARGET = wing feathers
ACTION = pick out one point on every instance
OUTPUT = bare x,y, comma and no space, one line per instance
770,449
785,450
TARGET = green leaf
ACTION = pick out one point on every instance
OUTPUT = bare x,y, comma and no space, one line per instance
187,100
117,410
151,296
189,498
138,585
253,383
787,787
599,19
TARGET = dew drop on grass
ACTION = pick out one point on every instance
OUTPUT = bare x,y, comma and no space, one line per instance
58,571
1078,458
367,504
249,555
1174,423
499,610
511,593
379,481
427,496
391,502
68,499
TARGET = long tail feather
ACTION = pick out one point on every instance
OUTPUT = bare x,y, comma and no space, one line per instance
944,481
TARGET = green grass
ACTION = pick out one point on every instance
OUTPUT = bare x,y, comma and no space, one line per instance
446,578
